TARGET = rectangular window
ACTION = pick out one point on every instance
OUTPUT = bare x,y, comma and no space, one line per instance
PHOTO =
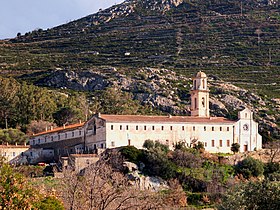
145,127
171,128
228,143
213,143
120,127
205,144
227,128
101,146
127,127
221,143
162,127
112,143
153,127
39,141
221,128
52,138
213,128
33,142
112,127
193,128
183,128
14,154
73,134
129,142
65,135
137,127
204,128
80,133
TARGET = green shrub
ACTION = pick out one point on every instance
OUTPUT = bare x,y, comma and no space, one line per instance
195,198
235,147
271,167
131,153
149,144
252,195
250,167
49,203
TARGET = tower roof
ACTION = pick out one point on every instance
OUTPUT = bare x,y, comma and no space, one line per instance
200,74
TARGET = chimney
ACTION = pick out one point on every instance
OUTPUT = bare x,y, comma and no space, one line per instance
46,128
169,116
25,144
99,114
7,144
80,121
51,128
16,143
64,126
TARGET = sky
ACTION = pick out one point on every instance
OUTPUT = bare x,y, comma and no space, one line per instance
27,15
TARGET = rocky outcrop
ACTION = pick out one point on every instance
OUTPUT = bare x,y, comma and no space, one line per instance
137,179
80,81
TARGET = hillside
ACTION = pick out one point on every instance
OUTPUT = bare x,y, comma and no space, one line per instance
151,48
215,36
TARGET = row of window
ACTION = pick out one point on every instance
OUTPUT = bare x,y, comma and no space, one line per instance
213,128
58,137
220,143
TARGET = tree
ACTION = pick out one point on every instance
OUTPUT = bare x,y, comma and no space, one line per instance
38,126
102,187
274,150
235,147
252,195
199,146
250,167
12,136
64,115
8,99
149,144
16,193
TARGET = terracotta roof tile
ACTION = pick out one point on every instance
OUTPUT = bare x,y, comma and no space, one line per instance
167,119
68,127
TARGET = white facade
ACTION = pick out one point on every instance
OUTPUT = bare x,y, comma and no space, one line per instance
110,131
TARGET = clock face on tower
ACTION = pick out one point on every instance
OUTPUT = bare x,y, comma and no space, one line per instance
246,127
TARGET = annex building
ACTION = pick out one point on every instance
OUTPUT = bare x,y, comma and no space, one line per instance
109,131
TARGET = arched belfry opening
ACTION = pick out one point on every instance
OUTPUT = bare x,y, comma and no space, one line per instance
200,96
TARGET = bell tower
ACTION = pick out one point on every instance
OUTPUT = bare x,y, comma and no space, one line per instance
200,96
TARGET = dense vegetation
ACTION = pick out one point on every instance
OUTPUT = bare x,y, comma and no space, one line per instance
17,194
207,178
31,109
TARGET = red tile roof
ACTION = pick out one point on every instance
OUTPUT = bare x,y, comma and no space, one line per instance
13,146
164,119
68,127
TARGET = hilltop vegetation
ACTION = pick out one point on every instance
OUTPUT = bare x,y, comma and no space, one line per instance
219,37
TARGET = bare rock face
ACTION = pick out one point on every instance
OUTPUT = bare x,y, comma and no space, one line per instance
233,102
80,81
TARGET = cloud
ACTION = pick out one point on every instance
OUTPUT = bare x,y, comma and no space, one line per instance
23,16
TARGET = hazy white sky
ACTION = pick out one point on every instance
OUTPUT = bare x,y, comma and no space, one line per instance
26,15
